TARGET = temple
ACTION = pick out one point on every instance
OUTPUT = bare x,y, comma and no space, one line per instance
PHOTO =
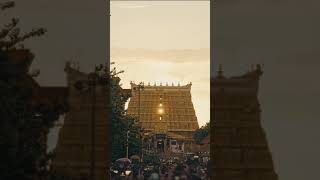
240,148
81,151
166,114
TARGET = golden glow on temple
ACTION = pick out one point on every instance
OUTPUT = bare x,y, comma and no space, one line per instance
166,112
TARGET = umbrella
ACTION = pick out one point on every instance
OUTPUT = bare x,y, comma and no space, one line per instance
125,161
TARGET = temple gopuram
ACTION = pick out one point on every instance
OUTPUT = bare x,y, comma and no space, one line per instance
166,114
82,149
239,144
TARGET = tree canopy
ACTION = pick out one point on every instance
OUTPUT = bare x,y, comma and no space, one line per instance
201,133
23,126
121,122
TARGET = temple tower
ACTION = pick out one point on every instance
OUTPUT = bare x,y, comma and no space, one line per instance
165,111
84,135
239,144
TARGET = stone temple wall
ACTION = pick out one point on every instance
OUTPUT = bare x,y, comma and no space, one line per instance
73,151
239,145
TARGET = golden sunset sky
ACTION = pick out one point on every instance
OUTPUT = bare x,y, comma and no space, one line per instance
163,41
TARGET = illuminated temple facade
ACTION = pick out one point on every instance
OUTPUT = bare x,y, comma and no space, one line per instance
166,113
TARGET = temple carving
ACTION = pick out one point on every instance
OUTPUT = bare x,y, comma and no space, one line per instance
239,144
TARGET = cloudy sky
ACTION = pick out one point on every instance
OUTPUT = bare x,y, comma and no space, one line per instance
164,42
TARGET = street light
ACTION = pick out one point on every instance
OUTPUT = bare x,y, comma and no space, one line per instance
128,144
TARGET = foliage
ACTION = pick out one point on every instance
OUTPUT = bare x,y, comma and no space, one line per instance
10,36
201,133
151,158
6,5
23,126
121,122
23,129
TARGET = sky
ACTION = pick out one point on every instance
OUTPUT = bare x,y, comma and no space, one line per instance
164,42
76,31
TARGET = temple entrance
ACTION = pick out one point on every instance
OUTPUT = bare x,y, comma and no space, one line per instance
160,146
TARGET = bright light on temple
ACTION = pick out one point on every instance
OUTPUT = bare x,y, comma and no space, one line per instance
160,104
160,111
160,118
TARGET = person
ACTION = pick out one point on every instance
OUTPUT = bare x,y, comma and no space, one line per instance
154,175
136,176
164,172
135,173
178,171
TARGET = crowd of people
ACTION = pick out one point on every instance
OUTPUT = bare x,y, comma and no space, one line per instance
192,169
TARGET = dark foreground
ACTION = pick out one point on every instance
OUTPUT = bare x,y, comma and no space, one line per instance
191,169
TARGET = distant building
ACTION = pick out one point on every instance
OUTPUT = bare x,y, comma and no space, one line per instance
239,145
166,114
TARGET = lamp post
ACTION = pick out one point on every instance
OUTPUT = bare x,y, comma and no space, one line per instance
127,144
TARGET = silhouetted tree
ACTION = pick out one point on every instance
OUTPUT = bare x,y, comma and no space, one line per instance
121,122
24,125
201,133
6,5
10,36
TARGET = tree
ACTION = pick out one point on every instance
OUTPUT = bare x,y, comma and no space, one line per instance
10,36
121,122
24,125
201,133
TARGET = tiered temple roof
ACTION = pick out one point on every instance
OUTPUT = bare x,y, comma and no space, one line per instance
240,148
177,115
